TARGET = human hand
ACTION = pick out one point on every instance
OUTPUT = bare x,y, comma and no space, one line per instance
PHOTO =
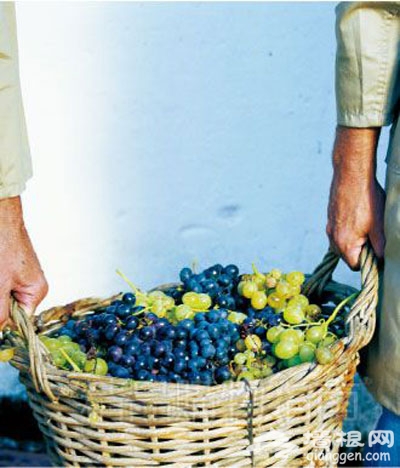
20,273
357,200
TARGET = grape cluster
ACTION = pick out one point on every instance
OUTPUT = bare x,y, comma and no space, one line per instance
127,341
218,282
216,326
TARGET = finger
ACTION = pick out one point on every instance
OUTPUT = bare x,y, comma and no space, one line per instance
29,297
4,308
351,255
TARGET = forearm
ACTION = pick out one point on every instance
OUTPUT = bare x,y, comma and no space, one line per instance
354,155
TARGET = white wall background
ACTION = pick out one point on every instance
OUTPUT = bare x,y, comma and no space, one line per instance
163,133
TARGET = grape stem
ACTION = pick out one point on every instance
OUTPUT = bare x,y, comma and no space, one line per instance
257,272
339,307
71,361
135,289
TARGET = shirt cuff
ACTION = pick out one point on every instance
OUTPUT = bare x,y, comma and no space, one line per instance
372,119
12,190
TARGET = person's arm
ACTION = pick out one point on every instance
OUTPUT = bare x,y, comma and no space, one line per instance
366,96
20,272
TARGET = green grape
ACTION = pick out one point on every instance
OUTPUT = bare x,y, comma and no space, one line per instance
169,302
249,354
259,300
313,311
286,349
96,366
295,290
204,301
328,340
64,339
240,359
52,344
158,308
275,273
58,358
71,347
293,361
283,289
315,334
155,295
295,278
273,334
324,355
253,342
276,301
299,300
293,314
182,312
300,334
307,352
248,289
259,280
79,357
270,282
240,345
190,299
237,317
290,335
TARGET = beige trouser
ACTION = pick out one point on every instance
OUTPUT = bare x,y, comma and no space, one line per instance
382,363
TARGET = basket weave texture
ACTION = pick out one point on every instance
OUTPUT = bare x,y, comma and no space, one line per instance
90,420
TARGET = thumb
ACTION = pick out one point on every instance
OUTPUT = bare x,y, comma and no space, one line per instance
29,297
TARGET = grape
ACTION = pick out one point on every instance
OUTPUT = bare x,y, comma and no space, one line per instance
293,314
283,289
324,355
231,270
299,300
290,335
70,348
315,334
295,278
270,282
158,308
183,311
185,274
58,358
259,300
96,366
190,299
286,349
253,342
328,340
240,359
313,312
248,289
307,352
273,334
52,344
276,301
64,339
204,302
222,374
129,298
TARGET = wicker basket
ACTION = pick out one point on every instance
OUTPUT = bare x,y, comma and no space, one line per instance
103,421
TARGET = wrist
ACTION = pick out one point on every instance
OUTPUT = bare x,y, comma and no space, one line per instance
354,155
11,211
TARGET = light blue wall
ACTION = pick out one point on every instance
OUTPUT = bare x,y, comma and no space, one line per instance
163,133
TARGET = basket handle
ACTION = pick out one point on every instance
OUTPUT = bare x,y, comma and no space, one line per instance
361,318
35,348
